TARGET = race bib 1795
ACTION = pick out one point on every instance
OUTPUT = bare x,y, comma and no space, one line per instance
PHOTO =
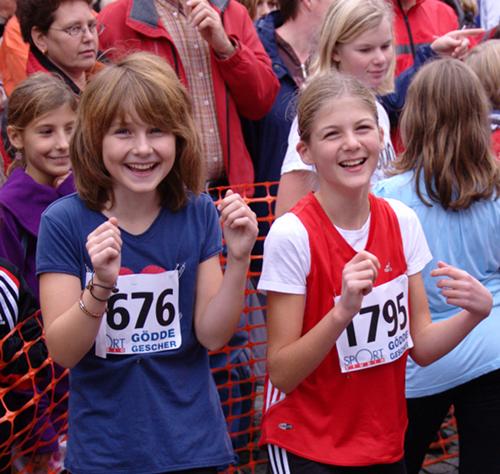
380,332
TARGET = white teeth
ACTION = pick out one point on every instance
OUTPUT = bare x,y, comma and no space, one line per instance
352,163
141,166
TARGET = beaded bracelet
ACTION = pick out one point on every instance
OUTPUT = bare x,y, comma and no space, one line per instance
85,310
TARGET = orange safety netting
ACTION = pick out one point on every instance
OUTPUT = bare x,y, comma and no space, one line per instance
33,418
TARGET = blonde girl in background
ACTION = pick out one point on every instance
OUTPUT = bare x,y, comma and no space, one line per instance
357,38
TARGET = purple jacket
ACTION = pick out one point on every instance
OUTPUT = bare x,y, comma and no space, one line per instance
22,202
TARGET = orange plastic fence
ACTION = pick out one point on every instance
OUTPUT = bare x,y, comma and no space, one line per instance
33,405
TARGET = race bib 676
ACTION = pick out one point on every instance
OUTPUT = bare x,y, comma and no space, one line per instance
143,316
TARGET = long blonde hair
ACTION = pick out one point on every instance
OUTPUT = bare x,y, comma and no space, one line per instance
343,23
445,129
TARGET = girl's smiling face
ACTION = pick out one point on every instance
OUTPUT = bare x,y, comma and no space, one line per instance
45,144
368,58
137,155
344,146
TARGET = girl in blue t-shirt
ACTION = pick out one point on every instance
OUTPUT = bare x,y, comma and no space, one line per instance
131,288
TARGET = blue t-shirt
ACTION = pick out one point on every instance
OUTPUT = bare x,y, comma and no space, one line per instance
143,412
467,239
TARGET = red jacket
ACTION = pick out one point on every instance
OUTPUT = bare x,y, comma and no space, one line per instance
427,19
244,84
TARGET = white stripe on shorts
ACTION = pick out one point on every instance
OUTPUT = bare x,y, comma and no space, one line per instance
278,459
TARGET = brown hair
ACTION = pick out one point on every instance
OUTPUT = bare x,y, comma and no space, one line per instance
446,133
38,13
251,6
321,89
484,60
146,85
344,22
36,96
289,9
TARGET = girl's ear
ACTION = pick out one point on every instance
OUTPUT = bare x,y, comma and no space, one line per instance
307,4
39,39
15,137
304,153
335,56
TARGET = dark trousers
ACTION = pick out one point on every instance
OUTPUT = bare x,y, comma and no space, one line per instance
477,410
201,470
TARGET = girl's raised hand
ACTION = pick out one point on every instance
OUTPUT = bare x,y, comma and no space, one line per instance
455,43
463,290
239,224
358,277
104,246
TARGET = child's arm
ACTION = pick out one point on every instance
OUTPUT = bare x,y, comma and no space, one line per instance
219,299
292,357
434,340
70,332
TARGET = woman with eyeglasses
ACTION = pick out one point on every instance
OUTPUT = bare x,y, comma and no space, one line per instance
63,38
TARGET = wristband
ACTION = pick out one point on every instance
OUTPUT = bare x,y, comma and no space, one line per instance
90,286
102,300
85,310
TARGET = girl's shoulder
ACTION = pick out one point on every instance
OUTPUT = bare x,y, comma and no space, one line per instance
404,213
200,200
15,183
200,204
69,206
400,186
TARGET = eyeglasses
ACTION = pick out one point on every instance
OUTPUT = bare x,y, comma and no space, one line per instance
79,30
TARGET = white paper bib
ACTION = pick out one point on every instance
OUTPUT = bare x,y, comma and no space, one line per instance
143,317
380,332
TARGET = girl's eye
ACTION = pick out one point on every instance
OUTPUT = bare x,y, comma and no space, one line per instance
364,50
156,131
121,131
45,131
331,134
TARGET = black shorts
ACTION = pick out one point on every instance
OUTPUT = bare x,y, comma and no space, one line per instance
284,462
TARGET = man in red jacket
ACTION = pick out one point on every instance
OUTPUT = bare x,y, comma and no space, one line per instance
417,23
215,51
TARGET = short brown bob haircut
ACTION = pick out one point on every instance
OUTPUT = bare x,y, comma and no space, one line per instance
144,85
38,13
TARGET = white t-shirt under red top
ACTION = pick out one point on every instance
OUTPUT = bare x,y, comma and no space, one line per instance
350,411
